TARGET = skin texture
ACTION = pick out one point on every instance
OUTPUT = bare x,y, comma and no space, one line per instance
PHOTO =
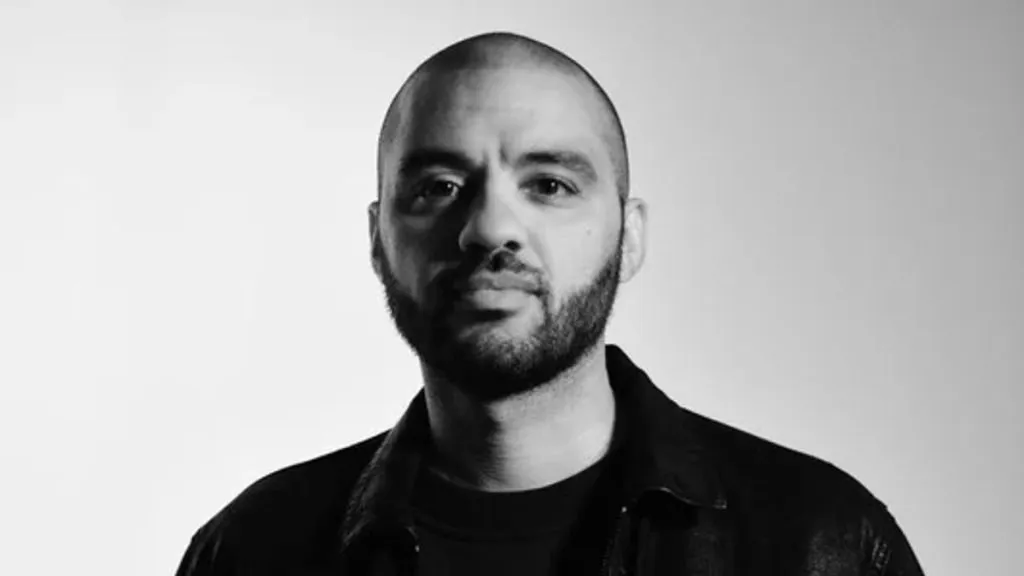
501,160
504,49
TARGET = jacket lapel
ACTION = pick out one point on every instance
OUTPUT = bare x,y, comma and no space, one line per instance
664,454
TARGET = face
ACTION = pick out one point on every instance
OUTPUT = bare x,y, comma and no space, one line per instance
499,233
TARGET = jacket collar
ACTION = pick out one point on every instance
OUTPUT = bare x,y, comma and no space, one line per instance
663,447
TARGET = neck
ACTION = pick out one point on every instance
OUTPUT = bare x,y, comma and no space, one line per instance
527,441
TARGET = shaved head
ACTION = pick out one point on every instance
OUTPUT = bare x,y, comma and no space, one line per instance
502,160
499,50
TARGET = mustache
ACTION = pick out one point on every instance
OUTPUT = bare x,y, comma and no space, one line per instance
499,270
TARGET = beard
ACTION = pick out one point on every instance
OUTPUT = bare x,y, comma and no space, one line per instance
490,367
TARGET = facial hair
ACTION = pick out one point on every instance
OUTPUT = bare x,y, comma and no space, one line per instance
489,368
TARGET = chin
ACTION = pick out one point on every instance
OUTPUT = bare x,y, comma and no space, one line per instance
495,344
516,330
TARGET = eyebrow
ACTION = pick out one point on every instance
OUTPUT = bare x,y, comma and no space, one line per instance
571,160
420,159
417,160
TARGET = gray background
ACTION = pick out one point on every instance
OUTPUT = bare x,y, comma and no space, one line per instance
186,304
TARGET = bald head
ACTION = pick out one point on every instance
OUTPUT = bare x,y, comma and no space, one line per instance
502,50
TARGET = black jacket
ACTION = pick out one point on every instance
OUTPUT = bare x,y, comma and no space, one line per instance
698,497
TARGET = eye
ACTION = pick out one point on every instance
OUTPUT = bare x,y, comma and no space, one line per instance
436,190
551,187
430,193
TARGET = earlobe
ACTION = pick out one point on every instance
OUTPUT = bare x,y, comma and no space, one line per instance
634,238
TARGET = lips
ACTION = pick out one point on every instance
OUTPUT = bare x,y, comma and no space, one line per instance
500,281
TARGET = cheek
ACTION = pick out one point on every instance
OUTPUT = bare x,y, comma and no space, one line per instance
408,252
574,258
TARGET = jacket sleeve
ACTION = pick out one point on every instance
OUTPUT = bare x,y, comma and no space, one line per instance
891,553
202,557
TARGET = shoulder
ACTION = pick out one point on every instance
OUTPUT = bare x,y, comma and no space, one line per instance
760,475
302,488
820,512
296,506
754,468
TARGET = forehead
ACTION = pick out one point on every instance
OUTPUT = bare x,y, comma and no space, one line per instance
508,108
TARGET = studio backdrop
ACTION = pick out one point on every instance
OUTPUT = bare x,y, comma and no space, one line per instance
835,257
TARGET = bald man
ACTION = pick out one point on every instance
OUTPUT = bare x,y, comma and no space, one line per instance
502,228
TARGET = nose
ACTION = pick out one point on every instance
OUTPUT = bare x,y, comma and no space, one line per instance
492,220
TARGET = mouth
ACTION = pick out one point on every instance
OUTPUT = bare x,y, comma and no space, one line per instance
486,296
500,282
504,299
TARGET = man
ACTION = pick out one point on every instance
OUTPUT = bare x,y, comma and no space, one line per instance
502,229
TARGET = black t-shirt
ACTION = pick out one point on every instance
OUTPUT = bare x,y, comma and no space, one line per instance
558,529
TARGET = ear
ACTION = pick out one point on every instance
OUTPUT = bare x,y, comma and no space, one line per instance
634,238
374,215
